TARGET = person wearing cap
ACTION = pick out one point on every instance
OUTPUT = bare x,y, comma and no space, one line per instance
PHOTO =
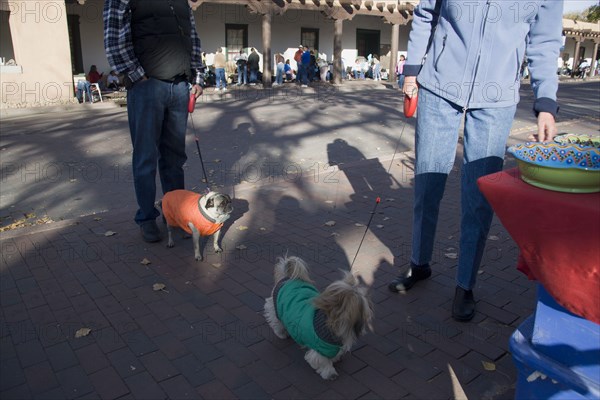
298,54
113,81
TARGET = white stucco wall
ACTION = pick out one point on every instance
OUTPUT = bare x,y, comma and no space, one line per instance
41,50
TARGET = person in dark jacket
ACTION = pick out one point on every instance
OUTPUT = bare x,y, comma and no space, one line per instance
155,45
304,66
453,63
253,65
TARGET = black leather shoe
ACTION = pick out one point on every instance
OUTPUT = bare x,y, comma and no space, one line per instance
406,280
150,231
463,306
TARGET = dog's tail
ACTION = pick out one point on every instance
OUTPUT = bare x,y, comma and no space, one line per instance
292,268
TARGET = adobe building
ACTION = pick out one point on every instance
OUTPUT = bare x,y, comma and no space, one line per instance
46,44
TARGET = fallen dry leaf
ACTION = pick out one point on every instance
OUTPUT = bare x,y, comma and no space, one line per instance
109,233
451,256
488,366
242,228
329,201
493,237
216,265
335,234
330,223
145,261
358,224
82,332
241,247
262,228
159,287
97,219
386,218
379,226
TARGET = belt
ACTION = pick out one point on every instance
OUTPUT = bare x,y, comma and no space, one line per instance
176,80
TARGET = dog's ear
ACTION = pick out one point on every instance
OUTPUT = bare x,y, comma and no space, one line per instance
210,202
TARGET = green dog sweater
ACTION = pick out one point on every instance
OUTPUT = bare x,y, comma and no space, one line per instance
305,324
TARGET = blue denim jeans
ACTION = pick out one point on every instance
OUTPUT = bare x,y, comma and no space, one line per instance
158,115
303,74
279,74
253,75
84,87
485,134
401,81
220,77
242,75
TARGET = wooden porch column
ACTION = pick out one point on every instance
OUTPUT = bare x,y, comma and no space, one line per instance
394,52
396,20
337,51
594,59
578,40
266,44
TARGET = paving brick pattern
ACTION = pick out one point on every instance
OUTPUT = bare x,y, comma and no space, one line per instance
204,335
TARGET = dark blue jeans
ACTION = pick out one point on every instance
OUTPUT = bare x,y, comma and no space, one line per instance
303,74
158,115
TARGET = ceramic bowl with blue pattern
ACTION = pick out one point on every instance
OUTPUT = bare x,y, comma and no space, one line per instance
560,167
581,140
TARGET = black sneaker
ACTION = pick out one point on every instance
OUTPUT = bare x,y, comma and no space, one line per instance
463,306
406,280
150,231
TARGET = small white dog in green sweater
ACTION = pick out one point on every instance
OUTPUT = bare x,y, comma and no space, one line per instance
327,323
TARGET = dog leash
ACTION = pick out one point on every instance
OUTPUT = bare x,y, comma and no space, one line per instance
410,106
409,110
377,201
191,107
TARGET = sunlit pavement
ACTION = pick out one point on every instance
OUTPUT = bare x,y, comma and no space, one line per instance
304,167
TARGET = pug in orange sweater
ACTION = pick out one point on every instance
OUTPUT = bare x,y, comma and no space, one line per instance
197,214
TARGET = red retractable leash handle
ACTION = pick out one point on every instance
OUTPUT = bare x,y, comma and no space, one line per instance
410,105
192,103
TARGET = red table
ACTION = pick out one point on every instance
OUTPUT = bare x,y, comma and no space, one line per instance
558,235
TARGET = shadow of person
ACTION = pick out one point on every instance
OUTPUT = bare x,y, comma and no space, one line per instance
369,179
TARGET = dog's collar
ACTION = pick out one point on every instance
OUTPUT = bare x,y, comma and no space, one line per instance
206,216
322,330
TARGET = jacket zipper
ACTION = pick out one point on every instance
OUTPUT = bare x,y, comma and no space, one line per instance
518,66
483,24
441,52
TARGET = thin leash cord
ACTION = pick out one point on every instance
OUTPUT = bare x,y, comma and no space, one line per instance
199,153
397,145
378,200
366,230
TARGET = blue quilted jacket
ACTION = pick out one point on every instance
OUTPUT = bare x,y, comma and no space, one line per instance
470,51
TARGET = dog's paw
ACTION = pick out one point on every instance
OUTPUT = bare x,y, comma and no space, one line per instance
329,375
170,244
281,333
198,257
218,249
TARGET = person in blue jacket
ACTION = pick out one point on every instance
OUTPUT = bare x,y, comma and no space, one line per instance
464,59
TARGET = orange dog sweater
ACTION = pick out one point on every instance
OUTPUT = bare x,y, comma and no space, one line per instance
181,206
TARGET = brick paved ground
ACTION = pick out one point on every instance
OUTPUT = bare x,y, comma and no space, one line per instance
204,335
